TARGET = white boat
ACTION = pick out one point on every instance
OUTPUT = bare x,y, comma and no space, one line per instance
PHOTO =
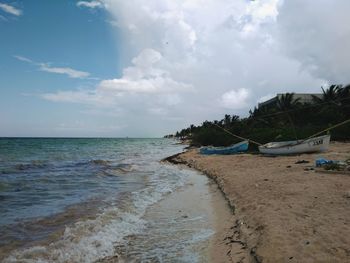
317,144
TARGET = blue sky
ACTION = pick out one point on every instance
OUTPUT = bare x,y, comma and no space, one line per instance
64,35
137,68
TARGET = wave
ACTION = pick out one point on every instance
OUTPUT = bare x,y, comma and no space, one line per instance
120,169
100,162
93,162
20,167
28,166
93,239
38,164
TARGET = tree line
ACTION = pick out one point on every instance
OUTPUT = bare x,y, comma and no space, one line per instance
285,119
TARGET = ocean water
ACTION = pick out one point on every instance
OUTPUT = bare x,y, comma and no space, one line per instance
88,200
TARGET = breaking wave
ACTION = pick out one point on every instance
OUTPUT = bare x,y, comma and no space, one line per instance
93,239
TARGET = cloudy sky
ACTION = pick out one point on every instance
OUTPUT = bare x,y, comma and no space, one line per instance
142,68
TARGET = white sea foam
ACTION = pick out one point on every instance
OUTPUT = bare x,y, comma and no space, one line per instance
203,234
93,239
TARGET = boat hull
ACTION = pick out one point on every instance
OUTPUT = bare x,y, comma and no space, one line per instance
233,149
317,144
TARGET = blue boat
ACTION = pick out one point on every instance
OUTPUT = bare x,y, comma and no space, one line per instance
235,148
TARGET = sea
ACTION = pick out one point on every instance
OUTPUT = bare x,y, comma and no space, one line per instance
100,200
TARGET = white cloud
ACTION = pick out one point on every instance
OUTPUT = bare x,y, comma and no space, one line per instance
24,59
319,38
256,14
71,96
46,67
141,83
235,99
90,4
144,77
72,73
181,58
265,98
10,9
113,23
158,111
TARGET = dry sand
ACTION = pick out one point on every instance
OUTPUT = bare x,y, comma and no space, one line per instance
283,211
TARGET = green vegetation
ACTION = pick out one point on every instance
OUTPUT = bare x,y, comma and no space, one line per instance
286,119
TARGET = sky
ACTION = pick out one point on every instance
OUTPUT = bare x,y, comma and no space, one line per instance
137,68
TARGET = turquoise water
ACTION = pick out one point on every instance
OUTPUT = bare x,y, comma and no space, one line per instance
92,200
39,177
49,184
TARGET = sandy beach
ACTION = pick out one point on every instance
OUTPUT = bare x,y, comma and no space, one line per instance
188,225
284,211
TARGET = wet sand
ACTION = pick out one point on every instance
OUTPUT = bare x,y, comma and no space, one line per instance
283,211
201,208
188,225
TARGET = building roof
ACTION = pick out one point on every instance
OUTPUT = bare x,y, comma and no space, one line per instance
303,98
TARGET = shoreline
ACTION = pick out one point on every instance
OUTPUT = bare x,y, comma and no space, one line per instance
283,211
189,223
228,238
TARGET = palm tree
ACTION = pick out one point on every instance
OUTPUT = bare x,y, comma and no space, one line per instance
227,120
192,129
234,118
343,92
287,102
329,95
261,115
344,99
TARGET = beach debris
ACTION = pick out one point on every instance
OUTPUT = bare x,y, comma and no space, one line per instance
321,161
253,253
301,161
174,159
347,195
288,166
333,165
259,228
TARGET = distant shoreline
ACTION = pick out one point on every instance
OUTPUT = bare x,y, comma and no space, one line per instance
283,211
